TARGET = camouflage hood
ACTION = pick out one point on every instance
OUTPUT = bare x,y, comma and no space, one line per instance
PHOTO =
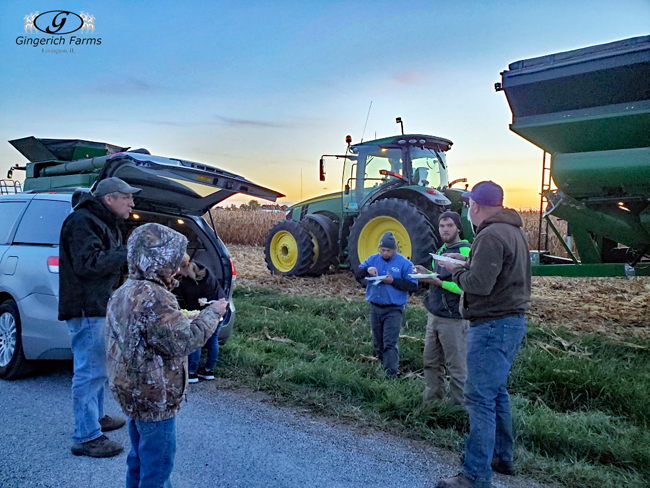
148,338
154,253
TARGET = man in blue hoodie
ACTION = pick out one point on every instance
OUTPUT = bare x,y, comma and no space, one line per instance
387,299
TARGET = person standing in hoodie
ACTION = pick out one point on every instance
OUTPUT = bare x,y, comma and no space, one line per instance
148,339
445,340
196,282
496,284
92,258
387,299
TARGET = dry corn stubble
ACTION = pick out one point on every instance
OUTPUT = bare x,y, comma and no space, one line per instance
616,307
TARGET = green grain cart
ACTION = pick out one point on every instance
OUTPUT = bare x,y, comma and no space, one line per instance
397,184
589,109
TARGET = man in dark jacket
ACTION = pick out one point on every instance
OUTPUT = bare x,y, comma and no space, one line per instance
445,339
496,292
92,258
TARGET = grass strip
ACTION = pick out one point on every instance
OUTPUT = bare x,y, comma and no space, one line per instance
580,415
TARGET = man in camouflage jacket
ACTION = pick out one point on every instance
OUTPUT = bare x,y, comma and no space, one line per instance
148,339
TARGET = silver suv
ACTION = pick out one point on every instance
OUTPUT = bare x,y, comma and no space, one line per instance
174,193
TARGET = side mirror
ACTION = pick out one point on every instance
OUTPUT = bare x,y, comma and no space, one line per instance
322,169
347,189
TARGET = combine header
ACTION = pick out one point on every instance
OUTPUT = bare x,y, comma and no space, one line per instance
589,110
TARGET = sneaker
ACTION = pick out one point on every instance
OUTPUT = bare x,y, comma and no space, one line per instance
193,378
109,423
204,374
461,481
99,448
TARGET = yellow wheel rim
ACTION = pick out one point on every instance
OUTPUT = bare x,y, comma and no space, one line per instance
372,232
283,251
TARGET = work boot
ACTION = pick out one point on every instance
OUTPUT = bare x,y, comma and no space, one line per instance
498,465
108,423
461,481
99,448
502,466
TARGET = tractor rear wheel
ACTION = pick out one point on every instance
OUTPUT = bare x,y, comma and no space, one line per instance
325,249
289,249
412,229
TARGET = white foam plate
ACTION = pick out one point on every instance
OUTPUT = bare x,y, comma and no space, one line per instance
437,257
376,278
418,276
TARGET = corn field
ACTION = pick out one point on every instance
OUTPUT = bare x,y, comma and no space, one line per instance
244,226
531,227
250,227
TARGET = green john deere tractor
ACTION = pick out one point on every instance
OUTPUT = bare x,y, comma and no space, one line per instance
396,184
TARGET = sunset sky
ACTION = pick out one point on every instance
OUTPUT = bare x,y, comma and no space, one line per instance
264,88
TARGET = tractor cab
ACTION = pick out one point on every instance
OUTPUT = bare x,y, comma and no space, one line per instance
375,167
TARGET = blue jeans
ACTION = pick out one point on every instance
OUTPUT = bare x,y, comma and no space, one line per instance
153,448
89,378
212,347
491,347
385,323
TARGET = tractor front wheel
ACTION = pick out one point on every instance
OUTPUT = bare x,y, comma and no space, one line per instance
412,229
289,249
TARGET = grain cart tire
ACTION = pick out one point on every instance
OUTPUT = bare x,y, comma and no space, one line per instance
13,364
412,229
289,249
325,233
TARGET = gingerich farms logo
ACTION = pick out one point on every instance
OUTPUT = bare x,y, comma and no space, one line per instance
61,29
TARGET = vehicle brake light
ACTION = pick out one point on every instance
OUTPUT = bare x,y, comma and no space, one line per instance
53,264
232,266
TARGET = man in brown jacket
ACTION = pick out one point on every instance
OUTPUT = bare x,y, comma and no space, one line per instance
147,340
496,293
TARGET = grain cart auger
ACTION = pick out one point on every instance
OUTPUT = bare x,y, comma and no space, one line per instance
590,110
396,184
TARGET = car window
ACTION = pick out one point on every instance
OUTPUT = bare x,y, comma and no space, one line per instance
42,222
9,213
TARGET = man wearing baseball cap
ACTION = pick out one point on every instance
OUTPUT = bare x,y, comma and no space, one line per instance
92,257
496,292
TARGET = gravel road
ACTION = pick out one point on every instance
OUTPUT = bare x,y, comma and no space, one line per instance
225,439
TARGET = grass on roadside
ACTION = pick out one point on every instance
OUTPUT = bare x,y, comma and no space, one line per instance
579,408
